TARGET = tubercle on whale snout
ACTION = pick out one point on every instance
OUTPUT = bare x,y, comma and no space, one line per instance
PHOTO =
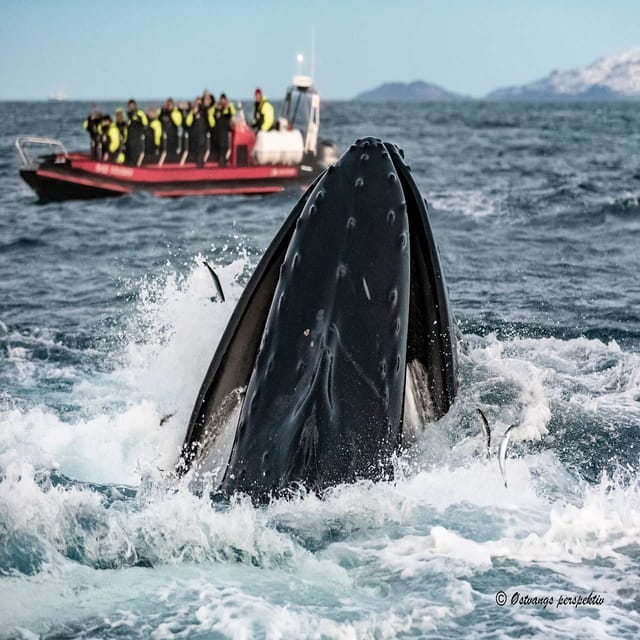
342,336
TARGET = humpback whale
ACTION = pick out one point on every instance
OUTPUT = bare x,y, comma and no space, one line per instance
341,346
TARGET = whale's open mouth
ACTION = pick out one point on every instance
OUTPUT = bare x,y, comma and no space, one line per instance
341,345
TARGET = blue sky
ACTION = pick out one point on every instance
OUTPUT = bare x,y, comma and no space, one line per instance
151,49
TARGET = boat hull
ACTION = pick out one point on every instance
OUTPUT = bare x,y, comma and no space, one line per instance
78,177
57,189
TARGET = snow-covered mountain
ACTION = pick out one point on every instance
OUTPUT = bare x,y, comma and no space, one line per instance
615,77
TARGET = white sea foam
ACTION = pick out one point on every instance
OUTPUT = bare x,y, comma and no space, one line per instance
279,571
169,343
473,203
20,357
533,410
593,375
388,559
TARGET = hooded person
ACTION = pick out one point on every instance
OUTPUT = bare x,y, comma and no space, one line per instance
263,114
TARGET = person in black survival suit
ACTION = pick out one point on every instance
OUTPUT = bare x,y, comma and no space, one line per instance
197,125
93,124
263,114
152,137
135,133
223,114
184,106
171,119
209,104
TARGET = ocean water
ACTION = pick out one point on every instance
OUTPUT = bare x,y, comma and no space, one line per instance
107,325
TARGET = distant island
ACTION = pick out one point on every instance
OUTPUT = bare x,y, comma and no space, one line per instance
610,78
417,91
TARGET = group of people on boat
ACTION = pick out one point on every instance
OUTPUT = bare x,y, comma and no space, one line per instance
189,132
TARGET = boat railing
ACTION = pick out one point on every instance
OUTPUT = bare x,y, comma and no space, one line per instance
27,144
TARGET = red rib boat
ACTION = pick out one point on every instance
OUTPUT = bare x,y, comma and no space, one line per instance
267,163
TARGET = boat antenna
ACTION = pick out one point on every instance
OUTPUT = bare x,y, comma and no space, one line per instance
313,53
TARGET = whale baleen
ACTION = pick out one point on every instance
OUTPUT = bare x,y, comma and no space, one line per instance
341,346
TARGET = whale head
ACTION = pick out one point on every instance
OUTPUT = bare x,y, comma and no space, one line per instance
341,345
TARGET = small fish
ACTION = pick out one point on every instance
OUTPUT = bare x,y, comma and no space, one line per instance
486,430
216,281
165,418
